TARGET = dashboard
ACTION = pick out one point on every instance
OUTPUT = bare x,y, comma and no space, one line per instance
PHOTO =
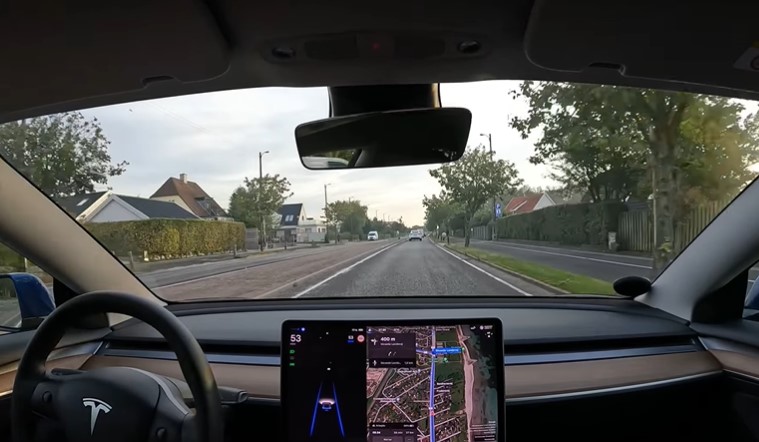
562,359
577,347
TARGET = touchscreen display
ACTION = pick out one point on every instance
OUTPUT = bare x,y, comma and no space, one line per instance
393,381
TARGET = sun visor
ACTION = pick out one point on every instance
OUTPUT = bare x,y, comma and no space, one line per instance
56,51
698,43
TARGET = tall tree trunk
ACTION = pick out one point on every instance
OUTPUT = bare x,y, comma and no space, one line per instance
467,230
665,196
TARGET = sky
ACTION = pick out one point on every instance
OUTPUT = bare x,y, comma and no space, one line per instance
215,139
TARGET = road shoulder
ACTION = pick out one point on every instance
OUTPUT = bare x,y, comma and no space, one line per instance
526,285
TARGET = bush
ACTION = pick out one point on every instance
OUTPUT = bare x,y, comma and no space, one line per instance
575,224
10,261
169,238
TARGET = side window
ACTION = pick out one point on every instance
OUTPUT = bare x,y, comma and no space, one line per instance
26,291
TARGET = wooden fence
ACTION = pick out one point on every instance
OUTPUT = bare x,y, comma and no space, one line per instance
635,231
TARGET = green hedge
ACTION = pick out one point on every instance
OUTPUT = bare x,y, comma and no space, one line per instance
169,238
10,261
567,224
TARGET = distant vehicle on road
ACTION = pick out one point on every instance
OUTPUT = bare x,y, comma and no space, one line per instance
372,236
324,162
415,235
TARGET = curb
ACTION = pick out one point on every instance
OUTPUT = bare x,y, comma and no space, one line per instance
529,279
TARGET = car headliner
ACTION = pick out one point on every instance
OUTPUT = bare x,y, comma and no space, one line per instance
83,53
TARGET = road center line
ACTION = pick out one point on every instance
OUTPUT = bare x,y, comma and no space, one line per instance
345,270
485,272
605,261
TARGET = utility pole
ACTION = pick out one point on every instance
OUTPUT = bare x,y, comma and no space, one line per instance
260,186
326,204
495,224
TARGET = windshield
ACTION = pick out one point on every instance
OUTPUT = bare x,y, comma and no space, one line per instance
563,189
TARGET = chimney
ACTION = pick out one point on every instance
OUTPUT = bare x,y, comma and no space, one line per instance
183,177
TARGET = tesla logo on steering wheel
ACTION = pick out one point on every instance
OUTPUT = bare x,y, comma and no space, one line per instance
96,406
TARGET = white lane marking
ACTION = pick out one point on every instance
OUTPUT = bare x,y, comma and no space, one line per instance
605,261
485,272
588,252
345,270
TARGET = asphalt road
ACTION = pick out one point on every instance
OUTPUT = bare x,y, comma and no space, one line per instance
599,265
418,269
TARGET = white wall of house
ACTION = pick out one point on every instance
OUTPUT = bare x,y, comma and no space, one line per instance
544,201
114,211
311,230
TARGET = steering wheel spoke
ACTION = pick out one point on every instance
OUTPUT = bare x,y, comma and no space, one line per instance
43,402
174,428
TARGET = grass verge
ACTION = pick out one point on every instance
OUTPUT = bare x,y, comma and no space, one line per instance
569,282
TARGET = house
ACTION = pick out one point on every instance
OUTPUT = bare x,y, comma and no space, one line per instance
290,216
191,197
295,226
100,207
560,198
312,230
526,204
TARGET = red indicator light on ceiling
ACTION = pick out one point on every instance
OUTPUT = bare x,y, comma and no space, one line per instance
376,46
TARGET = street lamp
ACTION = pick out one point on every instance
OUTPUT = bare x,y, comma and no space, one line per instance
490,142
260,163
490,146
260,185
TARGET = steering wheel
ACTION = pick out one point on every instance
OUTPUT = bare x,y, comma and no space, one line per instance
114,404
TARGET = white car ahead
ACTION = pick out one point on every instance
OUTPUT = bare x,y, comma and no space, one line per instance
372,236
415,235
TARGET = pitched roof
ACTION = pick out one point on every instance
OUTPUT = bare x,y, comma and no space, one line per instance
290,214
559,197
76,204
193,195
157,209
522,204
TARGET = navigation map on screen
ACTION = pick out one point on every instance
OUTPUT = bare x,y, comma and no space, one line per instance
422,383
436,378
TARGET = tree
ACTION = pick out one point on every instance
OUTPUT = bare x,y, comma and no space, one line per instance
473,180
258,199
438,212
349,215
619,142
63,154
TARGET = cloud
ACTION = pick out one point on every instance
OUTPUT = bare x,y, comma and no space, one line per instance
215,138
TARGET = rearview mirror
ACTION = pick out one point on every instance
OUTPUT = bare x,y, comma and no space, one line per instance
382,139
34,299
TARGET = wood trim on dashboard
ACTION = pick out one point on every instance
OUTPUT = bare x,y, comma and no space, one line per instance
71,362
573,377
738,362
258,380
521,380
